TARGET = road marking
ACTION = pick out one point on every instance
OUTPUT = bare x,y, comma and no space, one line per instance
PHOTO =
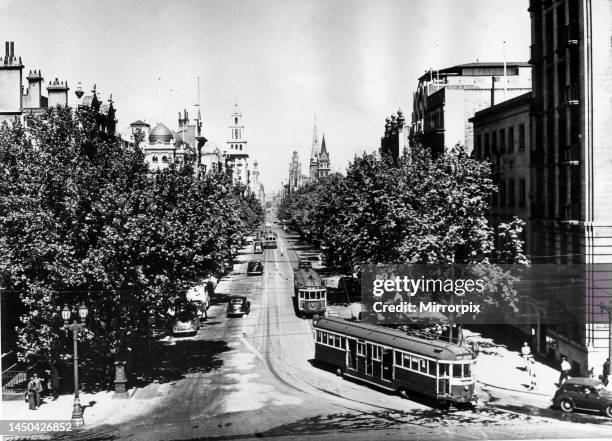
250,347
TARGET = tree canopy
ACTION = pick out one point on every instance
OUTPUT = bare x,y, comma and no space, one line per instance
83,219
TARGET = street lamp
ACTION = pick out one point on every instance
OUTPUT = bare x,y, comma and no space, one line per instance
75,327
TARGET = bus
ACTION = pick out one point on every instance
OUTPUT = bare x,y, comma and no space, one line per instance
270,240
396,361
310,292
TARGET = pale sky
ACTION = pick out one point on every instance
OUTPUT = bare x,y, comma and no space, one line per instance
351,62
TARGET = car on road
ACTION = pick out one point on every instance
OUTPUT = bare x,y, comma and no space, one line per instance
584,394
254,268
257,247
238,305
186,322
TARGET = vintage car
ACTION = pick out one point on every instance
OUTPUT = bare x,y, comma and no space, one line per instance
254,268
257,247
584,394
186,322
238,305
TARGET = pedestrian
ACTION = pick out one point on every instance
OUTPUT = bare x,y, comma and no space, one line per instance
532,374
282,250
438,331
54,382
31,394
565,370
606,372
526,353
475,347
38,388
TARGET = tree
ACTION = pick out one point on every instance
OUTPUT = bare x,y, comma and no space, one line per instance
84,220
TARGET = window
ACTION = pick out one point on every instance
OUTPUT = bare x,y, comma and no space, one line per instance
423,366
318,336
522,192
457,370
486,146
398,358
155,159
414,363
510,139
164,159
444,369
467,370
360,348
521,139
502,140
376,353
236,120
511,192
406,361
324,338
432,368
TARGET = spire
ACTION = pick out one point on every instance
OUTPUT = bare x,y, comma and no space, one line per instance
314,153
323,148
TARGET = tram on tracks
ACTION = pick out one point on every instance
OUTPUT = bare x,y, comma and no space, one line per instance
396,361
310,292
270,240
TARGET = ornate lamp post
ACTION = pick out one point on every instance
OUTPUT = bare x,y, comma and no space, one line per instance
75,327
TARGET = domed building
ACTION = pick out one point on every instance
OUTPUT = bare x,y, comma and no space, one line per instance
161,149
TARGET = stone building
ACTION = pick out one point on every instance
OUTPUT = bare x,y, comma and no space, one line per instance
446,99
396,139
295,173
17,99
501,136
570,160
236,155
319,157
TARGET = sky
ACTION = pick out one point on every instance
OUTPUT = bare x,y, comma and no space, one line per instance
350,62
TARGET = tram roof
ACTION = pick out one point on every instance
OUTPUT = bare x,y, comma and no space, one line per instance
396,339
302,275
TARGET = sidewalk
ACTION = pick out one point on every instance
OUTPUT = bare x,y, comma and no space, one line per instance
501,368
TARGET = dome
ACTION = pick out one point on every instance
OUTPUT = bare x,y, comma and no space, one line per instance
160,133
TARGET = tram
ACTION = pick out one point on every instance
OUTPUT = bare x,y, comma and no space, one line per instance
310,292
270,240
395,361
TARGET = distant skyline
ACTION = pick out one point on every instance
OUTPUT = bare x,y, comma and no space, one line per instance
350,62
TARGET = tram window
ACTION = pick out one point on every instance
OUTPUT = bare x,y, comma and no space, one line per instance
398,358
325,337
443,369
467,370
432,367
414,363
457,371
424,366
360,348
406,361
342,342
319,336
376,352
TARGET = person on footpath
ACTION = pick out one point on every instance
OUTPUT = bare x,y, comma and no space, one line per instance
526,352
565,370
605,372
532,374
38,388
31,394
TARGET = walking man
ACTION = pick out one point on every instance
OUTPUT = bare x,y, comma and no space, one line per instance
31,394
605,372
565,370
526,352
38,388
532,374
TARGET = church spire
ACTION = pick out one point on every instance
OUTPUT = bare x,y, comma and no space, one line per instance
323,148
314,153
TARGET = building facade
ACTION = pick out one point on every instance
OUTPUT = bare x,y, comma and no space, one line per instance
571,211
17,99
295,173
237,157
397,136
319,157
502,137
445,100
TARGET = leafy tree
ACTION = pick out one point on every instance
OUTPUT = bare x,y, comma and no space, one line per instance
84,220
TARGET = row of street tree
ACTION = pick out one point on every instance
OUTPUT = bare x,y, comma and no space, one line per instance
417,209
83,219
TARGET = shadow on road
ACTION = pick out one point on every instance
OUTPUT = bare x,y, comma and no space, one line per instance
171,363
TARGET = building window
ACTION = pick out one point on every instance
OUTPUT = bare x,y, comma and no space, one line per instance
502,140
236,120
511,193
521,139
155,159
510,139
164,159
486,146
522,192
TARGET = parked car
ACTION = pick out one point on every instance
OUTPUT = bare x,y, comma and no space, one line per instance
238,305
186,322
585,394
304,264
254,268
